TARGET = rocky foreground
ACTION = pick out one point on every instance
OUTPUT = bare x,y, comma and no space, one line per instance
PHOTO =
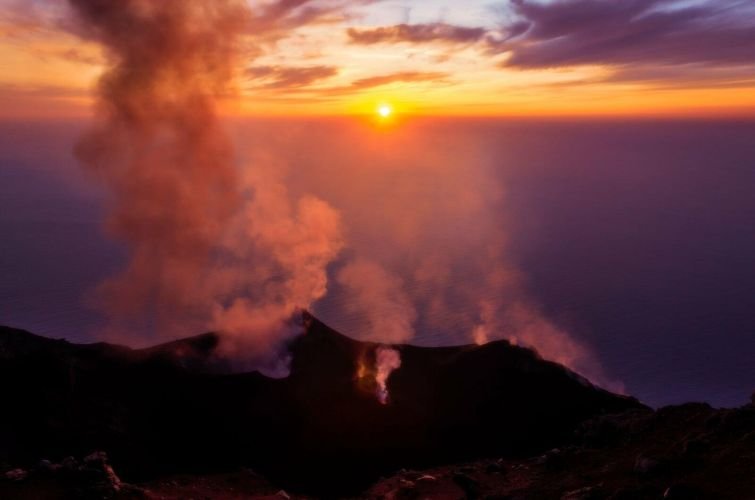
172,422
682,452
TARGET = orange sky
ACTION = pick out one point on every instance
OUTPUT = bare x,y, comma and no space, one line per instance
335,57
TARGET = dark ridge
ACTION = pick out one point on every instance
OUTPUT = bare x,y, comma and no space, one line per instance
171,409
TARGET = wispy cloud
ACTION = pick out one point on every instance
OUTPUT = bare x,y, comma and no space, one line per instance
402,77
406,77
286,78
620,32
651,41
416,33
42,91
305,81
332,50
281,16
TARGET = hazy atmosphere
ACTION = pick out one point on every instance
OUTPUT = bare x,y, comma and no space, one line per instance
543,172
632,239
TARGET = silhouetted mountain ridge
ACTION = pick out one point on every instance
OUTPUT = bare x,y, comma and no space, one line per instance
175,407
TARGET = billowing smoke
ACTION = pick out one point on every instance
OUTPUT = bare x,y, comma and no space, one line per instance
225,239
387,312
379,298
429,257
212,245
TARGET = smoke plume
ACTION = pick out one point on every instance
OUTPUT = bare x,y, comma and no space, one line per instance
387,312
430,233
386,360
212,245
379,298
225,239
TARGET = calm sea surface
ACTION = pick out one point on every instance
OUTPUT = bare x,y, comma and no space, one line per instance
638,237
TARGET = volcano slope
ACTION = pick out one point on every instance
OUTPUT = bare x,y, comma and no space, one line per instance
177,408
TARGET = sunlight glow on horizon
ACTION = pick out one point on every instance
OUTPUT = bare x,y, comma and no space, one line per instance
310,72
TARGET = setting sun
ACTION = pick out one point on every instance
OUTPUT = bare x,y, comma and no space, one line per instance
385,110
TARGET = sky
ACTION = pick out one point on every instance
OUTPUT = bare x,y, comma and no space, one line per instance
429,57
214,196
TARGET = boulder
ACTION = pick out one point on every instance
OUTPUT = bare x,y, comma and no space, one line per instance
16,475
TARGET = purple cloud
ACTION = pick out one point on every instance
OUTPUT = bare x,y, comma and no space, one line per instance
416,33
286,78
620,32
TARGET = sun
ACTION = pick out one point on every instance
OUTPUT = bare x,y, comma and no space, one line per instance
385,110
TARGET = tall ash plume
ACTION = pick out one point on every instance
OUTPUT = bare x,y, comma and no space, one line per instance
209,247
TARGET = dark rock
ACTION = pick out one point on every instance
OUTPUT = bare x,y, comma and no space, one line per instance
426,478
736,421
99,475
406,483
695,446
646,465
494,468
411,475
162,412
586,493
599,432
69,464
134,492
713,421
554,459
612,429
46,466
16,475
96,459
681,492
469,486
407,490
635,492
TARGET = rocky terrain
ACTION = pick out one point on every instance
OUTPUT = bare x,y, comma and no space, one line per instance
682,452
105,421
